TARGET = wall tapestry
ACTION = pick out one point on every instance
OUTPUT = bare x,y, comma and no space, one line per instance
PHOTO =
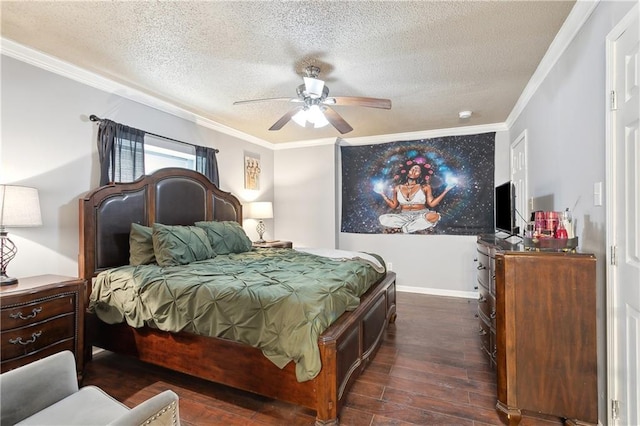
429,186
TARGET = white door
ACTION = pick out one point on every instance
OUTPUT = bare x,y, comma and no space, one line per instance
623,227
519,179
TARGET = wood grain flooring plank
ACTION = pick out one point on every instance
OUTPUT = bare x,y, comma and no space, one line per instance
429,370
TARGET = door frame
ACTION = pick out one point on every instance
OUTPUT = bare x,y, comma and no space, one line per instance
526,203
611,209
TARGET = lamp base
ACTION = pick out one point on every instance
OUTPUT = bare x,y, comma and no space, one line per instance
260,228
5,280
8,251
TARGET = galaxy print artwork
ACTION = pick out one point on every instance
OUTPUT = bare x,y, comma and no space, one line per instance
463,164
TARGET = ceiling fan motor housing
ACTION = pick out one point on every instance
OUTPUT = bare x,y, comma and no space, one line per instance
304,93
312,71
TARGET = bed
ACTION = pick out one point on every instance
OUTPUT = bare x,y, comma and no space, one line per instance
176,196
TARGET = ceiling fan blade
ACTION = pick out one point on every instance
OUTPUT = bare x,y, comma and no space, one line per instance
359,101
251,101
336,121
285,118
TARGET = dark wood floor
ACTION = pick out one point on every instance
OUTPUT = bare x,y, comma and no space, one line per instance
429,371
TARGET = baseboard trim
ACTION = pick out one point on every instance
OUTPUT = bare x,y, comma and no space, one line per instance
438,292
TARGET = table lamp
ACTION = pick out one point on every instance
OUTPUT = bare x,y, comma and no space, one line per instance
260,210
19,207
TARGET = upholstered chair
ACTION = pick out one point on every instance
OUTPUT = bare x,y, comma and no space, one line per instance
45,392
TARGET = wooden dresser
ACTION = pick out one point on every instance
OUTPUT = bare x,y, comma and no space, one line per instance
541,330
40,316
487,247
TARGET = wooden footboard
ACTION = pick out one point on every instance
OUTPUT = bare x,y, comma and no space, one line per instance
345,350
348,345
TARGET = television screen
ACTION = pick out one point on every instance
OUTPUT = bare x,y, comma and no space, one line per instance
505,207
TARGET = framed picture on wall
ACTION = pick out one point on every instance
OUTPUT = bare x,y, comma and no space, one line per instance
251,171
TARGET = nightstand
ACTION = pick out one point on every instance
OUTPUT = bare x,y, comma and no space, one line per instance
40,316
274,244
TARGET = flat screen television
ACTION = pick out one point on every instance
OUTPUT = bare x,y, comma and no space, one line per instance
505,208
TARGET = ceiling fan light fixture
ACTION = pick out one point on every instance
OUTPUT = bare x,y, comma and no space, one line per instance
300,118
312,115
316,116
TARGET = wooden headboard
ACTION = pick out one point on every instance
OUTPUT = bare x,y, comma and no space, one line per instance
171,196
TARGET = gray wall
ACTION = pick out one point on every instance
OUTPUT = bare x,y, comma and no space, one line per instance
565,124
49,143
307,183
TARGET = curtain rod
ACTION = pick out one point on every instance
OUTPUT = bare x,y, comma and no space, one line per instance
95,118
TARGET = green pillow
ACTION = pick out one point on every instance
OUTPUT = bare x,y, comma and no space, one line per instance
226,237
179,245
141,245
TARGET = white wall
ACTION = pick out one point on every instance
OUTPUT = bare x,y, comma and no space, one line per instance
305,198
48,142
565,123
307,192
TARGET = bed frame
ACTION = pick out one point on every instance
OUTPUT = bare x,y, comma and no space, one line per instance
181,197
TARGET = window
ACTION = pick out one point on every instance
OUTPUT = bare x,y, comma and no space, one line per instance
160,153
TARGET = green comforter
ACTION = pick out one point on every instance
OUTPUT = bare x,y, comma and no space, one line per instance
278,300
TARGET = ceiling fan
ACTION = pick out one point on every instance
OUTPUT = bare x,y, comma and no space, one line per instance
315,107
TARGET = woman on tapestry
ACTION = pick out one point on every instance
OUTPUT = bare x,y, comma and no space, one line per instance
413,197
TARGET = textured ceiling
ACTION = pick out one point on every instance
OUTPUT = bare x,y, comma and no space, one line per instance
431,58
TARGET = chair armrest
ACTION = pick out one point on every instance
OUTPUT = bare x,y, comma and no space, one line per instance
35,386
160,410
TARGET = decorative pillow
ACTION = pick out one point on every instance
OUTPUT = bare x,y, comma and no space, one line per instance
226,237
141,245
179,245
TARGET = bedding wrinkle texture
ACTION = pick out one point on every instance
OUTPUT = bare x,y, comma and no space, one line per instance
278,300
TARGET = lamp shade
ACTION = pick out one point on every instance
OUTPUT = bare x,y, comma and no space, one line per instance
19,206
260,210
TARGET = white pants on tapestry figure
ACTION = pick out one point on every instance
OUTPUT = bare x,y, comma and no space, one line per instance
409,221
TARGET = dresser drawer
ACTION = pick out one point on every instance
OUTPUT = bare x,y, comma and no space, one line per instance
25,340
21,315
485,337
65,345
40,316
487,306
483,267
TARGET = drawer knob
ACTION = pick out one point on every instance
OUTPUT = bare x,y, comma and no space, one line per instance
34,337
493,314
482,332
482,299
19,315
481,266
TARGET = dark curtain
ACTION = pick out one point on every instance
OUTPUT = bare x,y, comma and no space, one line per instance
207,164
120,152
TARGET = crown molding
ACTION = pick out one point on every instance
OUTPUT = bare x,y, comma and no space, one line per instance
427,134
581,11
57,66
574,22
408,136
